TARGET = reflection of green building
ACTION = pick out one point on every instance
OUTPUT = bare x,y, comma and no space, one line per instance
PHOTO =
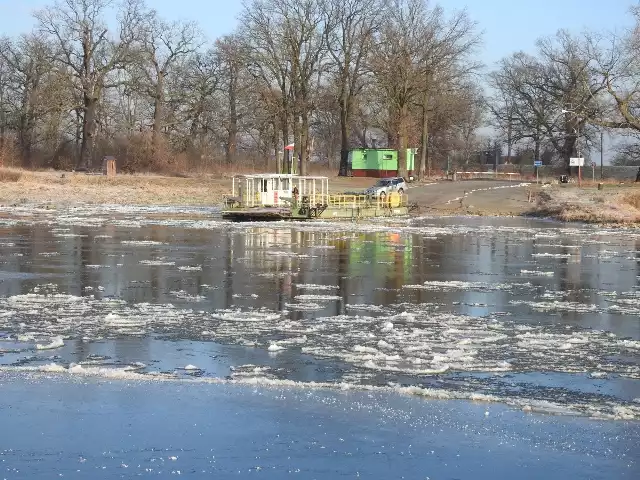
378,162
367,250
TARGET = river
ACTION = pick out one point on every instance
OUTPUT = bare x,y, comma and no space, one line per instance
534,320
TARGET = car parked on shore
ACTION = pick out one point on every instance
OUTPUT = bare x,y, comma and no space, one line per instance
385,186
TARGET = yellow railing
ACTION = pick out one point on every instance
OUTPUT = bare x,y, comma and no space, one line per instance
359,201
341,200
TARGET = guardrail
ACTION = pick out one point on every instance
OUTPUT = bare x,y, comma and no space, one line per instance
489,175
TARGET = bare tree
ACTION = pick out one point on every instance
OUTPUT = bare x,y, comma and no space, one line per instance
552,96
352,26
84,45
286,44
269,63
202,79
618,65
163,46
30,62
448,45
232,55
399,53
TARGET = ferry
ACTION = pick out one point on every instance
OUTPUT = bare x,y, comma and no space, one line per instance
266,196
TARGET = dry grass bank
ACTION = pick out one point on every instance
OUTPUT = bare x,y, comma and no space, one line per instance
57,188
54,188
615,204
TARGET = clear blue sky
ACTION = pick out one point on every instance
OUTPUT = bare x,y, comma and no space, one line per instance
508,25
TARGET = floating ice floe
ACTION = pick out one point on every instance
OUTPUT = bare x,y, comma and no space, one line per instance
455,285
311,297
310,286
536,273
187,268
57,342
159,263
142,243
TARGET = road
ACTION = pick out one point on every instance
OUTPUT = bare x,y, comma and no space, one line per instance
471,197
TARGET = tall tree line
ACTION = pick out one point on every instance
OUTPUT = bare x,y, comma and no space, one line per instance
98,77
554,103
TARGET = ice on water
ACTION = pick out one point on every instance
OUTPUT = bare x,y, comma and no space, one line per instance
405,343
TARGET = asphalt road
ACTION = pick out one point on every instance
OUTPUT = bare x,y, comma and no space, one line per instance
480,197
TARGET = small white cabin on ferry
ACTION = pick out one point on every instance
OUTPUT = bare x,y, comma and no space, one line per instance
273,190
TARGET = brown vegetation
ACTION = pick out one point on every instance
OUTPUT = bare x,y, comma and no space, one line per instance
612,205
56,189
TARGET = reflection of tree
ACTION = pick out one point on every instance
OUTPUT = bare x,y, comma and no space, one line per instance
342,248
82,274
228,270
637,256
430,264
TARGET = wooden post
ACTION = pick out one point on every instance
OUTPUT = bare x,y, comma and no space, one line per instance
109,166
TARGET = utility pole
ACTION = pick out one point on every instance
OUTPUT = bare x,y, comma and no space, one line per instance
601,155
578,150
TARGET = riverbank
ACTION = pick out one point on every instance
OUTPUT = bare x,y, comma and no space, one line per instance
615,204
58,189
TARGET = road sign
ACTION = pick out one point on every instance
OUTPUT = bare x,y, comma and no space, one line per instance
537,163
593,164
576,162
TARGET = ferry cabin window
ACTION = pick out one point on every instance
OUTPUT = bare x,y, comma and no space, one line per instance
284,182
263,185
387,156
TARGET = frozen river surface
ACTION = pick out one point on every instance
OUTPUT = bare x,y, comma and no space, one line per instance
528,318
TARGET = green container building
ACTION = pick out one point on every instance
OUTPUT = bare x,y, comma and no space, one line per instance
378,162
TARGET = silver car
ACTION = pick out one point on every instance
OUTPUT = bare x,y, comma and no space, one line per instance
385,186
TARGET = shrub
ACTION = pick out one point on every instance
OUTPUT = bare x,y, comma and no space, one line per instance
9,175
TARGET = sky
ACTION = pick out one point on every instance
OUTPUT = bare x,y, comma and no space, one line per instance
508,25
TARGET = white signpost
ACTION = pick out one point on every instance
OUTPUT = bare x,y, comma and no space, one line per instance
577,162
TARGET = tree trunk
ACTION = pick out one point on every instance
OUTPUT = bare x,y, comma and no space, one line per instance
276,147
296,144
26,128
344,138
510,141
284,120
424,160
233,120
304,142
88,131
158,115
1,138
25,137
402,142
569,146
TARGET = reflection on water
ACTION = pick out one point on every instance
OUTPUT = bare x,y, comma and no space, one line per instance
498,307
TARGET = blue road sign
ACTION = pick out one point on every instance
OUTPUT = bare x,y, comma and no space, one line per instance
537,163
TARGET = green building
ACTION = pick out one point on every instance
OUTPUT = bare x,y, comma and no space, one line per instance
378,162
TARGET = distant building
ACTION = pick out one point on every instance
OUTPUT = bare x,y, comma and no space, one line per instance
378,162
